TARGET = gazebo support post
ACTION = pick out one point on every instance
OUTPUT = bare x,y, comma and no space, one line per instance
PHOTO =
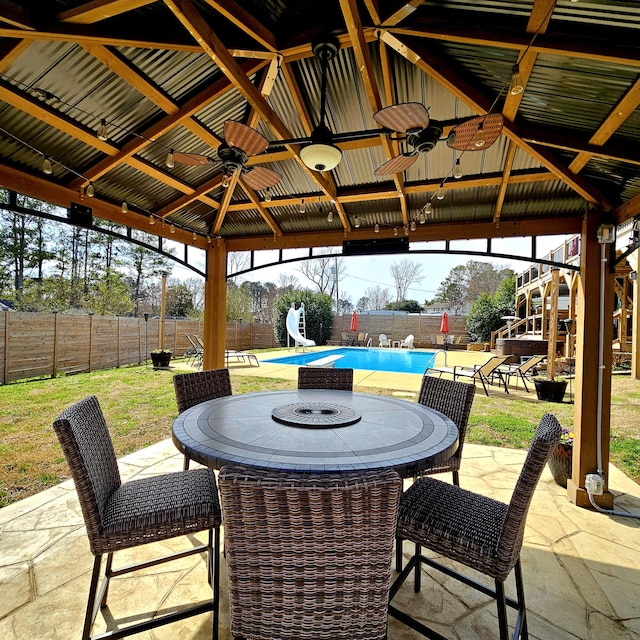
635,319
587,367
215,306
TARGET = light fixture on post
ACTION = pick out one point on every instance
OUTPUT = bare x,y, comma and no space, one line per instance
102,132
322,154
606,233
517,86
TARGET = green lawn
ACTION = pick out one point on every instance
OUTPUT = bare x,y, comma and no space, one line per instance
140,406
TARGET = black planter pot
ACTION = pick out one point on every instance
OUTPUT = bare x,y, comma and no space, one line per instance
161,359
550,390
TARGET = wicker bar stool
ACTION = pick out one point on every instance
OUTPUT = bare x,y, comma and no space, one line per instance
309,555
479,532
454,400
120,516
193,388
325,378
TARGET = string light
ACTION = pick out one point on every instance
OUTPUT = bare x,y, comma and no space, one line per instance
102,132
406,231
330,216
172,228
194,236
151,220
267,195
46,166
457,170
303,207
170,160
124,207
517,86
428,208
209,240
90,191
440,191
413,225
356,222
395,231
376,229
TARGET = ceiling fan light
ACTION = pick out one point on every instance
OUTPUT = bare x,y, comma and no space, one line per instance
321,157
517,85
225,181
479,139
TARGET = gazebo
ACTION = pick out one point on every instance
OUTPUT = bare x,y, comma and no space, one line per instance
248,125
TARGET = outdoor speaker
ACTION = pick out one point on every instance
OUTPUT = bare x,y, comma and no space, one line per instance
80,215
375,247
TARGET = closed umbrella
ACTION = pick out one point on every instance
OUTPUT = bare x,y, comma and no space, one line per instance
354,322
444,323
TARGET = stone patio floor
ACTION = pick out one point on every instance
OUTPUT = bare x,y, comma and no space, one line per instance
581,568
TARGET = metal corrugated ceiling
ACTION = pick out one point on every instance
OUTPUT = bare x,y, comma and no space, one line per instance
569,96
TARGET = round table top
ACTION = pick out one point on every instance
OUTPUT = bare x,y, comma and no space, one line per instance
392,433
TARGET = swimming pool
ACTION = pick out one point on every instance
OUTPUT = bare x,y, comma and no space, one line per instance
396,360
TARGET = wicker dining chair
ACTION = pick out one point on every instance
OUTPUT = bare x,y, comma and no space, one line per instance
193,388
120,516
454,400
477,531
309,555
325,378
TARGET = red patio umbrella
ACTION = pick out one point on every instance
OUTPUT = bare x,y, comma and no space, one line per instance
354,322
444,323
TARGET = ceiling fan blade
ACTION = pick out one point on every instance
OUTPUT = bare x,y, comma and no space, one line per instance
396,165
403,117
243,137
190,158
476,134
260,178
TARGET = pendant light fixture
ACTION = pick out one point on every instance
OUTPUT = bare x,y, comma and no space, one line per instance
322,154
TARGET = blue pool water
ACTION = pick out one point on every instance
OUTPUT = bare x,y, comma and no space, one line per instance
397,360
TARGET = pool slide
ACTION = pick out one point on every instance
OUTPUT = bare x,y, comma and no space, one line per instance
293,324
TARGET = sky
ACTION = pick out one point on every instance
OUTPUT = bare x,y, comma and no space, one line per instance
363,272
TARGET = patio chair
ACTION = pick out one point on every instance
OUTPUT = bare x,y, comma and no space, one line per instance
121,516
484,372
383,341
309,555
407,342
195,351
325,378
240,356
522,371
193,388
477,531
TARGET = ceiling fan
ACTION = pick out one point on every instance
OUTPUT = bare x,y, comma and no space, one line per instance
240,142
422,134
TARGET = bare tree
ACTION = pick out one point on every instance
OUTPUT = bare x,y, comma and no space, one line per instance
237,261
377,298
288,282
404,274
325,272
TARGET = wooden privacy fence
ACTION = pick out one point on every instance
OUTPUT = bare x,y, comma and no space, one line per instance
39,344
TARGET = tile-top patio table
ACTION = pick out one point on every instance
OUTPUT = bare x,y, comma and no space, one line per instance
316,431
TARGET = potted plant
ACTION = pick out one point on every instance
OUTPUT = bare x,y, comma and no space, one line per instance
561,458
161,358
550,390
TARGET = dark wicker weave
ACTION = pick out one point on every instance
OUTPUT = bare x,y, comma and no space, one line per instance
325,378
309,555
119,516
454,400
480,532
193,388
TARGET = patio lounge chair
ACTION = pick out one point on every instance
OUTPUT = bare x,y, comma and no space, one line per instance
319,565
484,372
240,356
121,516
193,388
522,371
477,531
383,341
407,342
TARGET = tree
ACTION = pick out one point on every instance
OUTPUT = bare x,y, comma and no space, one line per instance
287,282
378,298
453,289
109,295
144,264
196,288
411,306
362,304
404,274
179,301
487,311
238,303
318,315
238,261
325,272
